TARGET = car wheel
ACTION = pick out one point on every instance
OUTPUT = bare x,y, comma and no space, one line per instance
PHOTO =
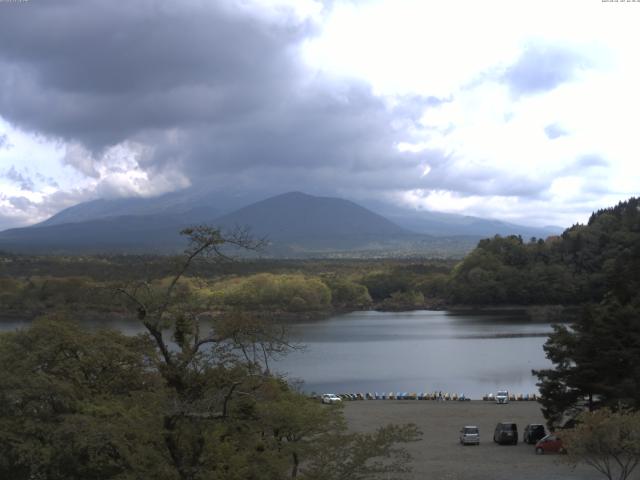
539,451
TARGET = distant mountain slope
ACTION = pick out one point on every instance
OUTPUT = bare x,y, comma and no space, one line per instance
128,233
213,204
297,215
296,225
210,203
447,224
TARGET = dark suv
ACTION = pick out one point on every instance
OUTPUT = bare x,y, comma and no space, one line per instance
533,432
506,432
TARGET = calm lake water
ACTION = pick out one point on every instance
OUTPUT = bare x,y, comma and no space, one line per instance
421,351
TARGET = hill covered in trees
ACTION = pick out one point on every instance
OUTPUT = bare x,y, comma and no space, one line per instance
583,264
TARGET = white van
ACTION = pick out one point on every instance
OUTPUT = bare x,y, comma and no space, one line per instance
502,396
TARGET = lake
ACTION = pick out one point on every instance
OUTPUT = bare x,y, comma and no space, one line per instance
421,351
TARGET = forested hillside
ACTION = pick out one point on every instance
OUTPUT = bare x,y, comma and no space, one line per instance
597,360
582,265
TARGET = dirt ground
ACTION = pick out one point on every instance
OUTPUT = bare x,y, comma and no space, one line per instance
439,454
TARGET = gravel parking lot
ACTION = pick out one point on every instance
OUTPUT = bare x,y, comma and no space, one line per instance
439,454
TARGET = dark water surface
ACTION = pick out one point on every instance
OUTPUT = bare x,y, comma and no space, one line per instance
421,351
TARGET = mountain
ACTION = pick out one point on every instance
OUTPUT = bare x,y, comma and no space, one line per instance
210,204
295,224
116,234
443,224
448,224
298,224
298,215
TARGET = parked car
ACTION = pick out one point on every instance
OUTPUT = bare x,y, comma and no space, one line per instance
502,396
533,432
506,432
330,398
550,444
470,435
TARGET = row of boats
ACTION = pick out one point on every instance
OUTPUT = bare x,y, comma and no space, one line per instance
490,397
438,396
403,396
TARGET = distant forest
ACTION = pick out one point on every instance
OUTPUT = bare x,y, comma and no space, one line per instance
582,265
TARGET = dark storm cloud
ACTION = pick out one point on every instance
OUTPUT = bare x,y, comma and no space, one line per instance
216,92
542,68
101,71
209,87
480,179
554,131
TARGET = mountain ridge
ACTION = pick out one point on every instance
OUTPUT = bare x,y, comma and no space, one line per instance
296,224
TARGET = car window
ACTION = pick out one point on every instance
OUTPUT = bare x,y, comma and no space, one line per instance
471,430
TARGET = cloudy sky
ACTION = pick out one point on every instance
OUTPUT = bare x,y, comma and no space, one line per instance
525,111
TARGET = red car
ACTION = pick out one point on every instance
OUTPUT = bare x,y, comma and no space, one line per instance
550,444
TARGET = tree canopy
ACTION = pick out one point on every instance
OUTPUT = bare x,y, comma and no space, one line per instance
187,400
597,358
583,265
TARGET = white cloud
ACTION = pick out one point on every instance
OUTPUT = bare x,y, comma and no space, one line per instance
459,51
63,174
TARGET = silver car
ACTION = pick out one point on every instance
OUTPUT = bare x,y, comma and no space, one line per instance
470,435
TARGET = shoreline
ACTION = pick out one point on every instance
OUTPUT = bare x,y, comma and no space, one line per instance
535,313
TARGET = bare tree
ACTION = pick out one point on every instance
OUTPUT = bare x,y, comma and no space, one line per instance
607,441
163,311
208,370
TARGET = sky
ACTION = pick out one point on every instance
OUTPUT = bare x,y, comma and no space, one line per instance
515,110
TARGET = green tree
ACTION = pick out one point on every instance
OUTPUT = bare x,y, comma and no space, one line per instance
79,405
596,363
346,293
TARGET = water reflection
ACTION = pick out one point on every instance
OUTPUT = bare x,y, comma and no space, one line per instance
419,351
423,351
